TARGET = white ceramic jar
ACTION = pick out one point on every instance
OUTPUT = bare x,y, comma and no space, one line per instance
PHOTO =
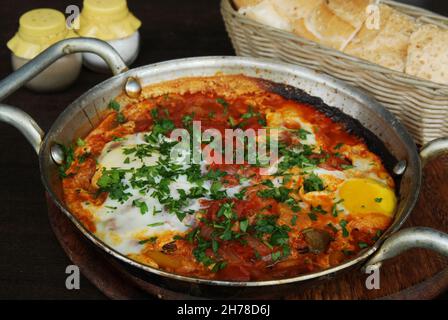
110,21
128,48
39,29
59,76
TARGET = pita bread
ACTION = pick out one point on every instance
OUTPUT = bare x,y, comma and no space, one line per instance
351,11
295,9
387,46
245,3
328,28
428,54
265,13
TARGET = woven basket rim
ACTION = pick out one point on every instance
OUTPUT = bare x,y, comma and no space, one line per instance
404,78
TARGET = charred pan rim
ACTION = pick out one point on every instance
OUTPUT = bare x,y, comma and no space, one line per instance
352,125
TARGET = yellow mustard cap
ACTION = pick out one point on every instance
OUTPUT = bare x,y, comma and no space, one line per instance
107,20
39,29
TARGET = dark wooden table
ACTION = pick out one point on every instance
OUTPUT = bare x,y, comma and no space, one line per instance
32,264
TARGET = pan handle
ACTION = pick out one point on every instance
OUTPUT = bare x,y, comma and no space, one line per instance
418,237
65,47
403,240
21,120
24,123
434,149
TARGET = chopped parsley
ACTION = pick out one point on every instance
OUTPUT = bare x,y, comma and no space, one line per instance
332,227
318,209
226,210
274,235
241,195
141,205
262,122
377,235
232,122
222,102
334,209
150,240
302,134
338,146
281,194
140,151
249,114
294,220
80,142
114,105
69,157
156,224
110,182
304,158
362,245
343,224
82,158
187,121
293,204
216,191
121,118
243,225
313,183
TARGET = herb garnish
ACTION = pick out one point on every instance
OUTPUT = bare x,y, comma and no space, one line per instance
156,224
313,183
69,157
343,224
114,105
110,182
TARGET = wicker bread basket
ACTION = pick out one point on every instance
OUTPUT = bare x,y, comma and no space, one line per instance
421,105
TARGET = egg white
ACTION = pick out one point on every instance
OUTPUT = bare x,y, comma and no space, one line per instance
122,225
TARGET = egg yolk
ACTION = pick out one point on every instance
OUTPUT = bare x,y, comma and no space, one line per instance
362,196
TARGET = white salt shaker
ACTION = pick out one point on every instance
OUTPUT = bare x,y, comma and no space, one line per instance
110,21
39,29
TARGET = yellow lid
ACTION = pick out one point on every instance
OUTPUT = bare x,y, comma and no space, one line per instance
107,20
38,29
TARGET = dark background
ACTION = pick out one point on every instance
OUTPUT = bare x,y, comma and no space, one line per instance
32,264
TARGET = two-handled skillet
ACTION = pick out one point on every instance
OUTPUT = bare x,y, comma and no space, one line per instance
83,115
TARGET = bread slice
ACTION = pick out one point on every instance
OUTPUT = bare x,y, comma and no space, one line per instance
364,44
295,11
266,13
351,11
245,3
328,28
387,46
428,54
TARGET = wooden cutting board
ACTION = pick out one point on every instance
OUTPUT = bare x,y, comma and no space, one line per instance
417,274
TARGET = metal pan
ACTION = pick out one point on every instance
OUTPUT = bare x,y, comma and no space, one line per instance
84,114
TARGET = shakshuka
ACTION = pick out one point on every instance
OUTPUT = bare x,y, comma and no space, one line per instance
328,198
